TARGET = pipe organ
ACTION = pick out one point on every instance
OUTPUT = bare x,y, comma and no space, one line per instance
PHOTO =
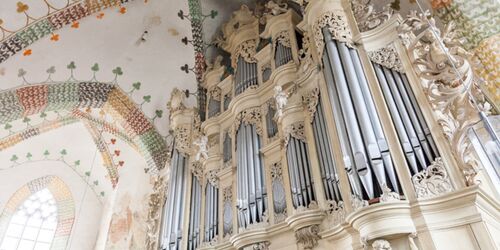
323,137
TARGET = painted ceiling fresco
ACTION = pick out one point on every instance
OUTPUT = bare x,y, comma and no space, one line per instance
84,78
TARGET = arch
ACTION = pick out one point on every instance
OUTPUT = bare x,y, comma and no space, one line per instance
19,102
64,202
13,41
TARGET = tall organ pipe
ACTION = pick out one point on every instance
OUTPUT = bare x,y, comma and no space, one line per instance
251,190
367,102
400,129
194,214
328,172
246,75
340,124
300,174
172,225
353,130
283,54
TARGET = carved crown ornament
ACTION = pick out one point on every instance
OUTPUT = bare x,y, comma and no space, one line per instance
387,56
449,83
337,25
295,130
310,102
249,116
366,15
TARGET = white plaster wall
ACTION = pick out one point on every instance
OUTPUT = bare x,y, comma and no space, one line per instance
87,206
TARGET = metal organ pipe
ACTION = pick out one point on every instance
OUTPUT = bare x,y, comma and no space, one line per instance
194,214
300,174
283,54
172,224
246,75
340,124
373,124
353,130
251,191
398,123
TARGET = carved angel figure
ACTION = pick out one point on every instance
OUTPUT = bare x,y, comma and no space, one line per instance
202,144
276,8
281,99
381,245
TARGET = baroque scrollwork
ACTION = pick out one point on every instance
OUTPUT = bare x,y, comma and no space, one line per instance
197,169
388,195
261,245
310,102
213,178
182,139
283,38
337,25
335,212
432,181
295,130
381,244
215,93
358,203
366,15
155,202
305,56
308,236
276,172
246,50
387,56
449,83
249,116
227,194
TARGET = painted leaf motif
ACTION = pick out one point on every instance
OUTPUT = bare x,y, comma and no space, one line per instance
51,70
77,163
159,113
71,65
147,98
136,85
95,67
118,71
13,158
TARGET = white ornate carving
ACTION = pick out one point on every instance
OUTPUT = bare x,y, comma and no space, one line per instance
295,130
337,25
249,116
358,203
276,172
213,178
308,236
202,144
432,181
246,50
388,195
449,83
284,38
239,18
276,8
176,102
215,93
366,15
381,244
281,99
335,212
310,102
387,56
182,139
155,203
197,170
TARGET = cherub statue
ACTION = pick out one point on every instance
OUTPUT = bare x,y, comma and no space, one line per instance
276,8
381,245
281,100
202,144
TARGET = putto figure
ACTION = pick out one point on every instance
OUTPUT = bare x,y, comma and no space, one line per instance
202,144
281,99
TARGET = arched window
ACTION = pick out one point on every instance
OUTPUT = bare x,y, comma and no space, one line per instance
34,224
38,216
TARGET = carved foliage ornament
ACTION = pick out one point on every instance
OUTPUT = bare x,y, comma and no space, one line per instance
155,202
276,172
249,116
337,25
295,130
246,50
212,178
305,56
176,102
366,15
261,245
432,181
387,56
215,93
449,83
358,203
308,236
182,139
197,170
388,195
283,38
227,194
310,102
335,212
